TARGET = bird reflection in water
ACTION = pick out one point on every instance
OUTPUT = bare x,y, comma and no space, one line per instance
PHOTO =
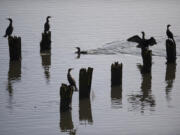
169,78
46,64
85,114
144,99
14,75
66,123
116,96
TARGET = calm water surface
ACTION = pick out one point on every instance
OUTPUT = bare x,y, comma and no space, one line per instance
29,90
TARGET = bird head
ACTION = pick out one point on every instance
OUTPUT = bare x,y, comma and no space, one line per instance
48,17
69,70
143,33
78,48
168,25
9,19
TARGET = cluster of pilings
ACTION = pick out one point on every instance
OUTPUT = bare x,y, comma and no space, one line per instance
45,43
85,80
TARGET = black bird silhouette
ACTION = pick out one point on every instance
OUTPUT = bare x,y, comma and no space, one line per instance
9,29
46,25
142,42
169,33
71,80
79,51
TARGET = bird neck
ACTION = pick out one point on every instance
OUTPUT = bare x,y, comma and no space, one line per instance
143,36
47,20
10,23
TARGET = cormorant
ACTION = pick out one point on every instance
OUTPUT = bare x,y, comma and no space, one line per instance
9,29
142,42
169,33
46,25
71,79
79,51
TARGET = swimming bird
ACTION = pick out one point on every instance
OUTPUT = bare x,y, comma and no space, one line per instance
169,33
9,29
142,42
79,51
46,25
71,79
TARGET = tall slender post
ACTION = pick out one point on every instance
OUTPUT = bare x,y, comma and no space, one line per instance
45,43
170,51
116,74
85,79
14,48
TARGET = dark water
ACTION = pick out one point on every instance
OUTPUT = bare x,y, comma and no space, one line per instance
29,90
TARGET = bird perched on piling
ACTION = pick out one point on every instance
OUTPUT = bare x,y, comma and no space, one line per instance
142,42
169,33
9,29
71,79
79,51
46,25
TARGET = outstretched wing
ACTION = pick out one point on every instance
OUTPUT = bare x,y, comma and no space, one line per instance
151,41
135,39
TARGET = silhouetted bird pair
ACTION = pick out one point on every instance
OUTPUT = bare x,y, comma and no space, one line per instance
9,29
71,80
145,43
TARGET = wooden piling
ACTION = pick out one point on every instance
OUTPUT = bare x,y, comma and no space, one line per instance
45,43
171,51
66,93
14,48
85,79
147,60
116,74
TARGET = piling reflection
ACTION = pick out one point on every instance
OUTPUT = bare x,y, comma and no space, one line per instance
14,75
169,78
116,96
85,114
144,100
66,123
46,64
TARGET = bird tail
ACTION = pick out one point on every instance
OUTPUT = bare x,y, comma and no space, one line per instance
174,41
5,36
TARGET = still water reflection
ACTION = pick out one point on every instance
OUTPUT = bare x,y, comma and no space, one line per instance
85,114
14,75
116,96
144,99
46,64
169,78
66,123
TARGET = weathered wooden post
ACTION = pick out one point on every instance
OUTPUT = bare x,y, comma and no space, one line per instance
14,48
171,51
116,74
147,60
45,43
85,79
66,93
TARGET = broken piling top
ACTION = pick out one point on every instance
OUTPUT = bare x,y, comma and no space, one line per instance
85,80
66,93
14,48
45,43
171,51
116,74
